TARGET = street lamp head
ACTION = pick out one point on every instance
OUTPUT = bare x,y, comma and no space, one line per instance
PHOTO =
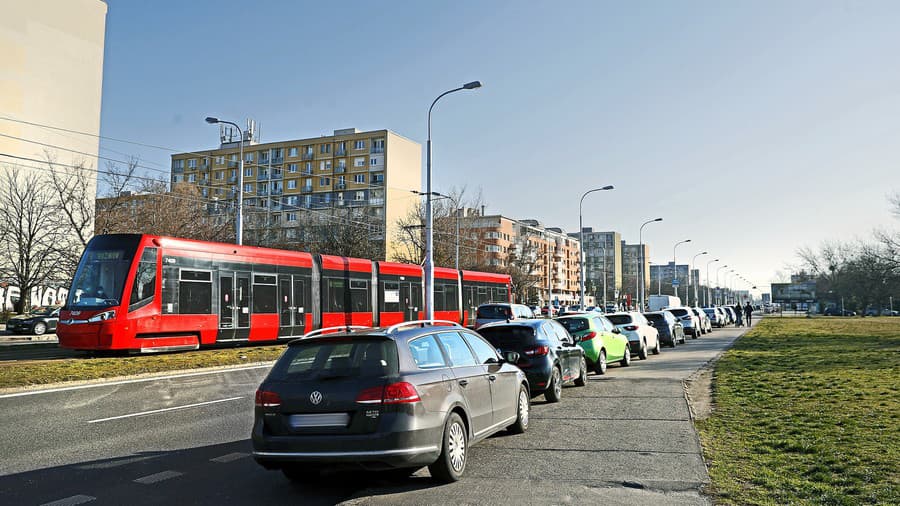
687,240
658,219
610,187
704,253
211,120
472,85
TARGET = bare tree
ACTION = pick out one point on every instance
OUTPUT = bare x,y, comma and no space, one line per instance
524,267
894,200
33,240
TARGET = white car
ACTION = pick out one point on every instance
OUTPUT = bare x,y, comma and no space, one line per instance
705,324
642,336
688,319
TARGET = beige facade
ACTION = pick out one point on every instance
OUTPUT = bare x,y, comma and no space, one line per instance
370,173
51,73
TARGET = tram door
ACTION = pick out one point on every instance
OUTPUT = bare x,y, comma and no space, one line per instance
292,306
410,299
234,306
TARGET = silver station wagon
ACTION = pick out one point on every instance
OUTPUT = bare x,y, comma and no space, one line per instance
412,395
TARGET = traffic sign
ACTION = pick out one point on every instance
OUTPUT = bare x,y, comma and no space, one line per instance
675,282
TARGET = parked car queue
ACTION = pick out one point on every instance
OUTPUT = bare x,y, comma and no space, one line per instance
421,393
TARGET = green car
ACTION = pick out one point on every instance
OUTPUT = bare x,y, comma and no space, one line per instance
601,340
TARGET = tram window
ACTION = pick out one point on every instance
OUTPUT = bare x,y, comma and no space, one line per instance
500,294
359,296
265,297
451,298
170,290
390,300
144,285
335,295
195,292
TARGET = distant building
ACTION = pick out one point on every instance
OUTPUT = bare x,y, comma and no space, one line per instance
663,276
368,173
631,258
602,258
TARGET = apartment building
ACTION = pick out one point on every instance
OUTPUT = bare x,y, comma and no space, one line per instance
631,255
540,259
602,263
349,178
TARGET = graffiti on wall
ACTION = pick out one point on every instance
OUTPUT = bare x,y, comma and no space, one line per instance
40,296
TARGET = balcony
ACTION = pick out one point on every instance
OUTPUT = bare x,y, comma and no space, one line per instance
308,156
276,191
340,169
340,152
262,177
341,202
262,192
276,175
376,150
340,186
306,189
279,159
376,202
232,179
232,164
378,182
376,168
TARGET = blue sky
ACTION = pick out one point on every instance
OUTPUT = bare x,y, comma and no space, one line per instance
752,128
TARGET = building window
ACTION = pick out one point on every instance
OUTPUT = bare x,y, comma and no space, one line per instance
324,181
248,172
220,160
325,165
192,178
291,216
378,145
292,184
178,164
375,160
378,177
307,168
324,148
248,188
359,196
359,178
177,178
359,162
220,174
359,144
292,152
192,163
292,168
277,153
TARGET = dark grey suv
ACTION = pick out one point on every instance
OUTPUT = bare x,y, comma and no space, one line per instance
415,394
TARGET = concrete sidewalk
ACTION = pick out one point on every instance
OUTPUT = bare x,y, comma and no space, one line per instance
625,438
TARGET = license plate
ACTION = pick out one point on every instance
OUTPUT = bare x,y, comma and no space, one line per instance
319,420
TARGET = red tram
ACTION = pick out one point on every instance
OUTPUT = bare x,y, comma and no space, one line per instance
149,294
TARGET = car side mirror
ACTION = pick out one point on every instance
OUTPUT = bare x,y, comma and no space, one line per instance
616,330
511,356
650,323
576,339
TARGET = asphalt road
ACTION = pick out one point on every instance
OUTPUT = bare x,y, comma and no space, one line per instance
625,438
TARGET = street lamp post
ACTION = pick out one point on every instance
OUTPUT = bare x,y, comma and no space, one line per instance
581,243
675,266
239,218
718,301
708,291
429,218
639,292
697,286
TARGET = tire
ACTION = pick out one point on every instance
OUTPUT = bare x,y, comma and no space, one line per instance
523,409
39,328
673,342
600,366
694,334
554,389
300,473
451,464
657,348
642,353
626,360
581,380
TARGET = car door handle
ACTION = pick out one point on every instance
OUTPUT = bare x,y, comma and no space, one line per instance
463,383
492,377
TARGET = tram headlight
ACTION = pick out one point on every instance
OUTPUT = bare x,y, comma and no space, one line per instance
102,317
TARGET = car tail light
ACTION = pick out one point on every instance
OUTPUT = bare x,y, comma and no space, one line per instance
266,399
590,335
395,393
537,351
630,327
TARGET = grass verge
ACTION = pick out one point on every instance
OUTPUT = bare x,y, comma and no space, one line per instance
807,412
15,374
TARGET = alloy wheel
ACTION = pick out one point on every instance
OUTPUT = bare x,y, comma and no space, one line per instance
456,444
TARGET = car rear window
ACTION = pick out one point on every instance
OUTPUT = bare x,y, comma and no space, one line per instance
678,312
656,317
493,312
509,337
337,357
575,324
619,319
709,311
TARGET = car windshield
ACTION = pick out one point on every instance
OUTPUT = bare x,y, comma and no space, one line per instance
509,337
100,277
678,312
575,324
619,319
337,358
42,311
493,312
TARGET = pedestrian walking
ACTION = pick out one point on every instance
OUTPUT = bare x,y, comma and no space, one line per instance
748,313
738,313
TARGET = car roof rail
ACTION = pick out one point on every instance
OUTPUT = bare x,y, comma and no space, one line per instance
422,323
339,328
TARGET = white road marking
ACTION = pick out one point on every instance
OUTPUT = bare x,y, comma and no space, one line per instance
71,501
126,382
154,478
153,411
229,458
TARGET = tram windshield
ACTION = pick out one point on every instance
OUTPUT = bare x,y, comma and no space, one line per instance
102,271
